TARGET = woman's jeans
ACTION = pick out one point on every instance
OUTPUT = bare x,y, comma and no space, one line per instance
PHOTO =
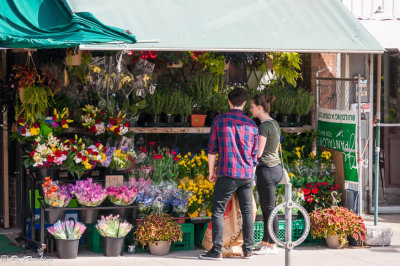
267,179
223,190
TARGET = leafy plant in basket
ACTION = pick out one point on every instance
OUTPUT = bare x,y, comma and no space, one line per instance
47,152
113,226
123,195
83,157
88,194
158,228
54,194
338,222
93,118
68,229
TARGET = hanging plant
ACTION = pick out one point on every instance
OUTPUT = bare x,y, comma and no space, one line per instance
214,63
286,66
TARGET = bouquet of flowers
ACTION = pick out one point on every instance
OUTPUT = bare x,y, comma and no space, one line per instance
47,152
61,119
25,130
118,125
54,194
112,226
120,158
200,191
123,195
84,158
93,119
88,193
320,195
67,230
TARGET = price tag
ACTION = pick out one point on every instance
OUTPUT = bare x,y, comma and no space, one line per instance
114,180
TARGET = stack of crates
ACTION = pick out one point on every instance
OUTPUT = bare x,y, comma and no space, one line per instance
94,241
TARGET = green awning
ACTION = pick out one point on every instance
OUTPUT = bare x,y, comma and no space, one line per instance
234,25
49,24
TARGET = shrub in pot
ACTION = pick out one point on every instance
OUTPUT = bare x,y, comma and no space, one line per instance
337,222
158,231
113,230
67,235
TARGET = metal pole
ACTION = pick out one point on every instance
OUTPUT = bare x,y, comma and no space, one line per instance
359,149
6,200
288,223
378,136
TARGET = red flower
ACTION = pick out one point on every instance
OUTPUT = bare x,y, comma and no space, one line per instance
50,158
155,156
306,191
97,144
84,158
104,149
64,152
112,121
95,153
23,130
91,115
90,151
336,186
173,153
127,124
310,185
326,184
101,112
54,118
92,129
35,143
33,153
73,149
318,184
309,198
58,153
35,125
315,190
97,121
151,143
160,156
79,155
143,149
116,130
176,159
63,122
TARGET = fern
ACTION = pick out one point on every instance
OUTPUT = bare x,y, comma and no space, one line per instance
36,102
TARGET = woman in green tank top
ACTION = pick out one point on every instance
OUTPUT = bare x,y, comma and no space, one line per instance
269,171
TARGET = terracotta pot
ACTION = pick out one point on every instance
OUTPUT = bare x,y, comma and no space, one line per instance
159,248
332,242
73,59
198,120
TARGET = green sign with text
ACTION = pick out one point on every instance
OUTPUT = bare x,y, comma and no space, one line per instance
337,130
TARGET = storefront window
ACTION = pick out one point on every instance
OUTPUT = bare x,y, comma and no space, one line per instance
391,88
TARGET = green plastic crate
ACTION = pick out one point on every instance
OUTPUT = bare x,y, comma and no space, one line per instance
187,242
94,241
258,231
199,231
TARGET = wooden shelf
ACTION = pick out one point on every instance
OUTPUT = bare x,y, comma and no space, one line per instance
183,130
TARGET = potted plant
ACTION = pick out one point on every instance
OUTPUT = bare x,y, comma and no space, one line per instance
172,105
122,196
48,154
303,104
88,194
155,106
55,196
26,76
320,195
200,89
67,235
73,57
185,108
113,230
158,231
336,224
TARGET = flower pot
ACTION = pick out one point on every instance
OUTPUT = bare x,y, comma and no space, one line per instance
122,212
88,216
198,120
179,220
298,120
159,248
67,248
112,246
170,119
73,59
55,214
332,242
42,172
184,120
156,119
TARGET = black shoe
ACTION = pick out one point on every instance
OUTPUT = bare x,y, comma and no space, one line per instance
248,255
211,255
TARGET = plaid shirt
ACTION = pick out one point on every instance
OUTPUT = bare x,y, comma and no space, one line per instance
234,136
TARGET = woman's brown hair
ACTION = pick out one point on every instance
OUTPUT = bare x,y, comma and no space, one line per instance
264,100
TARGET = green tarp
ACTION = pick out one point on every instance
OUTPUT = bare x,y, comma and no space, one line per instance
234,25
49,24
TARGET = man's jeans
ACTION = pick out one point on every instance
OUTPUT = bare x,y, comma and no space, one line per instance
223,190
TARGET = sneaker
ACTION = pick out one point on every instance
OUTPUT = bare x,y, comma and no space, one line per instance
257,246
266,250
248,255
211,255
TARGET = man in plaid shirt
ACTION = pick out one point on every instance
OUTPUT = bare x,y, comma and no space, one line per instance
234,136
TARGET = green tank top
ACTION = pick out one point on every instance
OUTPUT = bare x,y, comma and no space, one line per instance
270,155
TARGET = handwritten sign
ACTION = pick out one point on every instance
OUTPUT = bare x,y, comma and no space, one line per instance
114,180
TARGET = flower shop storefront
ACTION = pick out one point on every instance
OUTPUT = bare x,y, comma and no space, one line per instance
111,138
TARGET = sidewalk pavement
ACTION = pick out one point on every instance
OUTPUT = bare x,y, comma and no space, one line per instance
301,256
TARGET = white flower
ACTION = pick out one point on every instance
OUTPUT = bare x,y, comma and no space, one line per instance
77,160
123,130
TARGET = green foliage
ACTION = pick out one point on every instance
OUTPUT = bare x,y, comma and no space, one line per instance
291,141
62,101
200,89
155,103
185,105
214,63
286,66
219,102
172,103
36,102
304,102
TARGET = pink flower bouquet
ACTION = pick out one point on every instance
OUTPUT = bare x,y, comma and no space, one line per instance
123,195
67,230
112,226
88,193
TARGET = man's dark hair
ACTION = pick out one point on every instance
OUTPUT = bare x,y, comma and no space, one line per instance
237,96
